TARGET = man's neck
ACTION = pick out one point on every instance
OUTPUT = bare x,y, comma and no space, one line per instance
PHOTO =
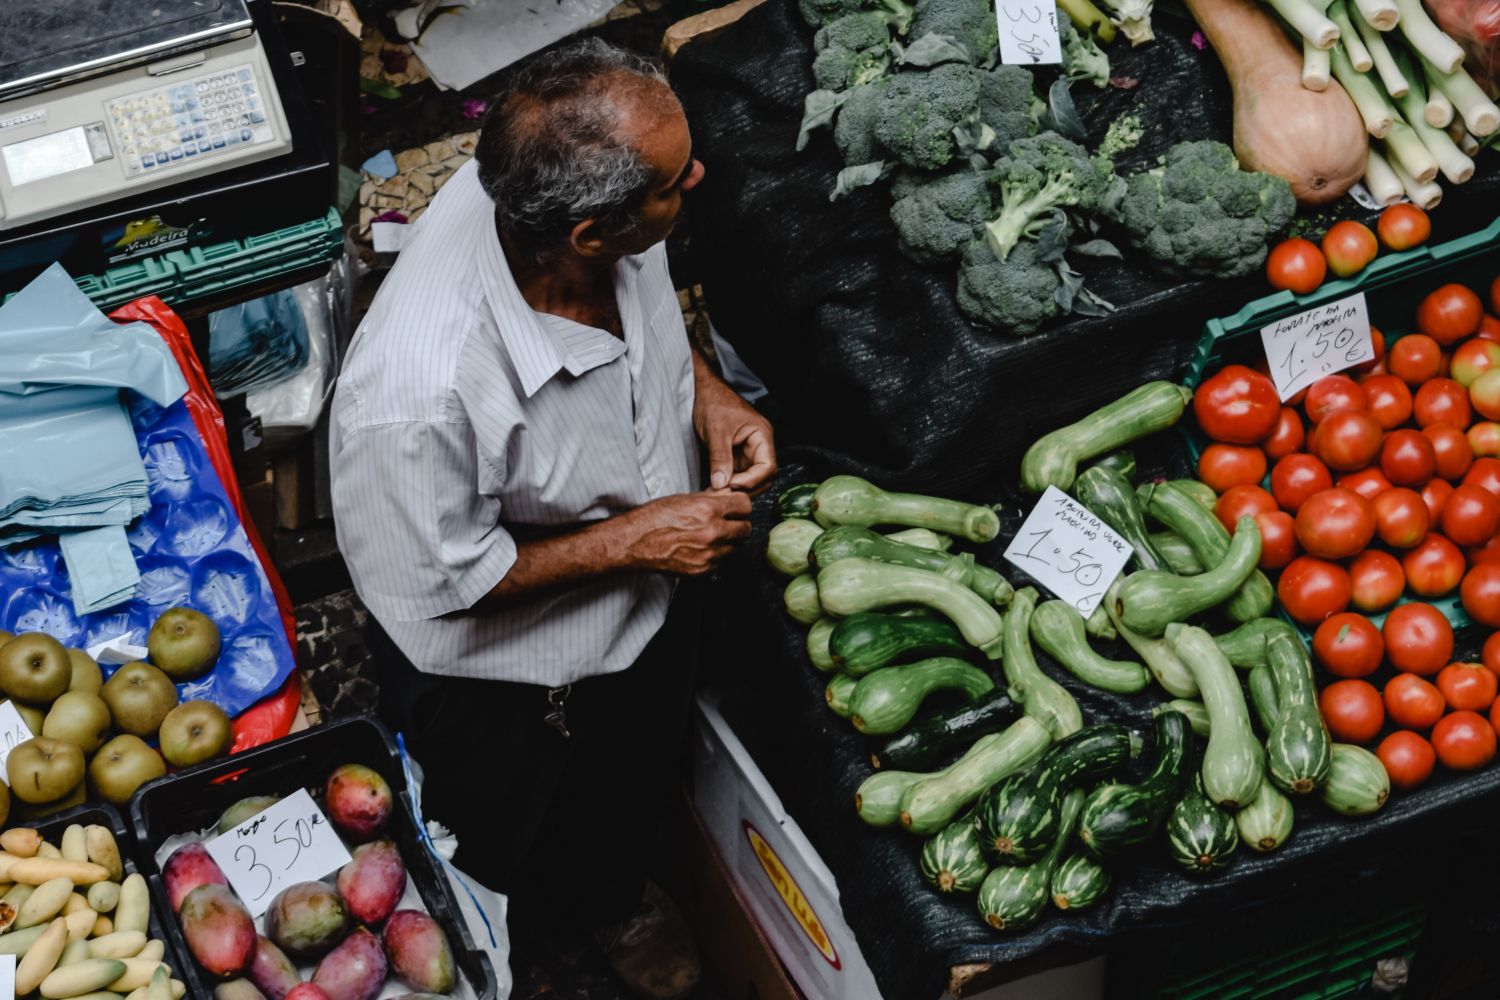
569,285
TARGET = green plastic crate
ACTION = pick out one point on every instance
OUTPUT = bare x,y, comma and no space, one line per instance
1393,285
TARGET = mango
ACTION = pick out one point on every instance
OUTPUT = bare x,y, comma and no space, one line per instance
271,971
307,919
189,867
372,883
419,952
244,809
218,930
358,800
238,989
355,970
308,991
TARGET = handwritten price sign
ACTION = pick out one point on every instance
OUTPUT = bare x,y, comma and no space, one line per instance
13,732
1028,32
290,842
1330,338
1068,550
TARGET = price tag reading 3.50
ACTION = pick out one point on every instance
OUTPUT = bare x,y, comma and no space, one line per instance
1028,32
1330,338
1068,550
290,842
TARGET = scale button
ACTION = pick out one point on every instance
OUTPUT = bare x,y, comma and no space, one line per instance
147,161
161,157
218,142
244,135
256,118
244,74
190,150
176,154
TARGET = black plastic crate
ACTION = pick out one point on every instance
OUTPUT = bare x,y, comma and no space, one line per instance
193,799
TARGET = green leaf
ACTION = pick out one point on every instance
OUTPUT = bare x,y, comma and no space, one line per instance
1099,248
818,111
1052,241
1062,115
376,88
861,175
931,50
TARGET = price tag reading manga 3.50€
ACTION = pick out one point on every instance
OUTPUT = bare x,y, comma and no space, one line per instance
292,841
1068,550
1028,32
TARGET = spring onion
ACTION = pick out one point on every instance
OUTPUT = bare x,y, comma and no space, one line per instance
1439,110
1473,105
1359,56
1391,77
1427,38
1365,93
1456,166
1382,14
1381,181
1315,67
1425,196
1308,20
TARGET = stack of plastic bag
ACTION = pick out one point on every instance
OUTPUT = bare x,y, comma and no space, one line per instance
69,461
256,343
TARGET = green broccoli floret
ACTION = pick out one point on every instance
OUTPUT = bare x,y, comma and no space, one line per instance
854,128
1017,294
1082,57
897,13
1200,214
837,68
920,110
1123,135
971,23
936,216
1009,105
1037,177
865,30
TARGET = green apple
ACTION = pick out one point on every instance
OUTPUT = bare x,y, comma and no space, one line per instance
139,696
43,770
121,766
86,673
79,718
193,732
34,668
183,644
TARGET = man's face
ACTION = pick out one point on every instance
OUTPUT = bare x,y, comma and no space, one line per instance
668,148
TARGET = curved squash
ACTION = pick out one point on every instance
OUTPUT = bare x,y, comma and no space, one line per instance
887,699
1058,628
870,640
852,500
854,585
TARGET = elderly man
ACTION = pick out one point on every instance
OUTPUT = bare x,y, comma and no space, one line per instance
516,485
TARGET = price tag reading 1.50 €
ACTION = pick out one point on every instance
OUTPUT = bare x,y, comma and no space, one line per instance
1028,32
1329,338
290,842
1068,550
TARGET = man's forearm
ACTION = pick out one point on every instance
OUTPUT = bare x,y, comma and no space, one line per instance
551,564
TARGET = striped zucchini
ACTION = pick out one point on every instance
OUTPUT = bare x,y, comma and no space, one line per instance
940,735
1298,749
1263,697
1357,782
817,644
1245,645
952,860
853,585
1149,601
789,544
1176,509
837,692
1176,553
1200,835
1170,672
887,699
1098,625
1233,763
1043,698
1053,459
872,639
1266,822
801,599
1196,714
1057,627
1118,818
852,500
878,798
1011,898
1078,882
796,501
848,541
931,803
1107,494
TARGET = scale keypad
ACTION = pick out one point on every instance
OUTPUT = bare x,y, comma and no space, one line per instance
189,119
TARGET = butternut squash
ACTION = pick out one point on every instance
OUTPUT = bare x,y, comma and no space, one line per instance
1316,140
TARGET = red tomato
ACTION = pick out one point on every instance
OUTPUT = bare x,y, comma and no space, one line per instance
1296,265
1237,405
1377,363
1330,393
1335,524
1491,653
1450,449
1388,400
1414,358
1407,458
1449,314
1484,394
1288,435
1434,567
1442,401
1348,247
1473,358
1471,515
1278,538
1352,710
1222,466
1489,552
1412,702
1348,645
1368,483
1312,589
1348,440
1375,580
1489,328
1242,501
1484,473
1401,518
1468,686
1435,495
1480,593
1403,226
1408,758
1464,741
1418,639
1297,477
1484,439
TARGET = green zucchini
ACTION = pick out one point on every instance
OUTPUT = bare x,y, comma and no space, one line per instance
1266,822
801,599
848,541
1058,629
853,585
838,692
817,644
1018,818
1177,509
1108,495
1118,818
1245,645
878,798
1122,461
1078,882
952,859
1194,712
856,501
1200,835
869,640
1298,749
1233,762
1054,458
1150,601
1263,697
1012,898
1044,699
922,538
789,545
1199,491
1099,625
1176,553
1170,672
887,699
931,803
796,501
934,738
1357,782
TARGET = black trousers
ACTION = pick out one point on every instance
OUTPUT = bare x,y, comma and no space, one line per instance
563,825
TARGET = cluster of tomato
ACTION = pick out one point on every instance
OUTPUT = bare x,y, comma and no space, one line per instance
1299,265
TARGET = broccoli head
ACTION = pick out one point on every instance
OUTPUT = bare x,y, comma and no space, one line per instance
1009,105
837,68
971,23
1017,294
1123,135
936,215
896,13
863,30
1039,176
854,128
1082,58
920,110
1200,214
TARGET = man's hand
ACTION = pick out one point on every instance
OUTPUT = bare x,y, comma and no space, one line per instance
741,445
687,534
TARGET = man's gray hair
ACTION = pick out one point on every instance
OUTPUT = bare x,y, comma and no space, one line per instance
553,152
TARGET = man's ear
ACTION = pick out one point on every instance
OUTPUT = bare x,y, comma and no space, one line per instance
587,239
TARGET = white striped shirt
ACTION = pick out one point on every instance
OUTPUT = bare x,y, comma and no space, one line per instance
464,421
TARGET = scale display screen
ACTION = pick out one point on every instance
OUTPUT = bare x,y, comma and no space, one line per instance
47,156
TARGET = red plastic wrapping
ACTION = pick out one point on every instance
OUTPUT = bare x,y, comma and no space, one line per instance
1474,24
